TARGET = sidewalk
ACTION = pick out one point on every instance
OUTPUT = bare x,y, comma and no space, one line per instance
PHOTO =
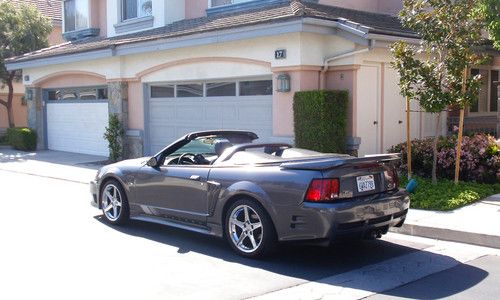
477,224
75,167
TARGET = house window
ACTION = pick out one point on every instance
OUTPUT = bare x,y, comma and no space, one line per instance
487,100
256,88
76,15
213,89
136,9
84,93
215,3
220,89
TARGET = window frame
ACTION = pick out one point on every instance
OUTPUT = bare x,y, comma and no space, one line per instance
204,87
488,96
78,91
89,16
121,11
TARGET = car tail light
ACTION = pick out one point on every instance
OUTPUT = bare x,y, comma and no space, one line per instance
323,190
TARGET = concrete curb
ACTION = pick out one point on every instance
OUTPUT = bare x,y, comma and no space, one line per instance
446,234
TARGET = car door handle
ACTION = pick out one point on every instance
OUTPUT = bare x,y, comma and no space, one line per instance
195,177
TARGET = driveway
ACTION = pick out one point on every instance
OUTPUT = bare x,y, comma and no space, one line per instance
53,164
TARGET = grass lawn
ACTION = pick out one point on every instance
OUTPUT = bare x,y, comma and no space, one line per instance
448,196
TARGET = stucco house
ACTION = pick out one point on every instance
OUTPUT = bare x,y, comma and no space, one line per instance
51,9
167,67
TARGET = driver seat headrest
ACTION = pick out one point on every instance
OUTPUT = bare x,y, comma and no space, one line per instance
221,146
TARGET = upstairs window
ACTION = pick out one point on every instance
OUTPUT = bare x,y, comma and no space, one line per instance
132,9
76,15
215,3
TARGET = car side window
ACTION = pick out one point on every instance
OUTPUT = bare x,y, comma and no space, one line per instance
196,152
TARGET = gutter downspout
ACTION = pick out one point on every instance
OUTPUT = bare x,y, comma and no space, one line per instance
324,69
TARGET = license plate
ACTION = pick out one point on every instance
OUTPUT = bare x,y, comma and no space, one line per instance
365,183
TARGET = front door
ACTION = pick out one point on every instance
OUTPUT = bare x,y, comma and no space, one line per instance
177,192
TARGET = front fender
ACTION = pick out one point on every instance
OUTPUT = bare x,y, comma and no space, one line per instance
125,179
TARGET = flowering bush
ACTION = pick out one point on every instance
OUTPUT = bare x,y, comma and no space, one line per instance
480,159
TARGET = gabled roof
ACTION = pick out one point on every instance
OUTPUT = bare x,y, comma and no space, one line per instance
365,22
50,8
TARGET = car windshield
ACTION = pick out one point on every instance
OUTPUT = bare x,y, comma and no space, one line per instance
203,145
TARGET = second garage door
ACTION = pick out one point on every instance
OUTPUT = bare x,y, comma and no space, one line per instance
76,120
177,109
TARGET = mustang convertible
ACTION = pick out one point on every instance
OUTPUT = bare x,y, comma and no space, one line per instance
255,195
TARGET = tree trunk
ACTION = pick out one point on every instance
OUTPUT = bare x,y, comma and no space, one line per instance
8,103
434,149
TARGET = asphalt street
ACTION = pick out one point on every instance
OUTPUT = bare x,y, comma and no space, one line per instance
54,245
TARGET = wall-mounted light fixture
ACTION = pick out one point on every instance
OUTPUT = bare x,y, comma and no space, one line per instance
283,83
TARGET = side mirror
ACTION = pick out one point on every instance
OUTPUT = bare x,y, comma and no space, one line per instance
152,162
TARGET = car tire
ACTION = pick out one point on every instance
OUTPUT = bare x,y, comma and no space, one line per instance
249,230
114,203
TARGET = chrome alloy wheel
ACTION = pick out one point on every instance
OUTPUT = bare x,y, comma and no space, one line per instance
111,202
245,228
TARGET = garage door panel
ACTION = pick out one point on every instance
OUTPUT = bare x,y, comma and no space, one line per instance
77,127
253,113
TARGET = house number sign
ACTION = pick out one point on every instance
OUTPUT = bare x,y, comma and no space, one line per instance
280,54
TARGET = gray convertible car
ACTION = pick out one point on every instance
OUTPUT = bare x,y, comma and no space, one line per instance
255,195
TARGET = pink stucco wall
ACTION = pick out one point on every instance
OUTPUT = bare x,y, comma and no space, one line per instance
20,112
300,80
98,16
70,80
378,6
195,8
345,80
135,106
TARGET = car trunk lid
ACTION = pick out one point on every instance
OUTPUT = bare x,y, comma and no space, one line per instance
357,177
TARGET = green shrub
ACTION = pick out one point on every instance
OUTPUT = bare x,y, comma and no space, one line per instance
480,160
114,136
445,195
320,120
22,138
3,139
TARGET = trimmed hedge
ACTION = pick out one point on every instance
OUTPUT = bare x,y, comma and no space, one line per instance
320,120
22,138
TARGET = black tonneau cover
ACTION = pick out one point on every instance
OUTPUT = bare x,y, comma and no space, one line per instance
335,162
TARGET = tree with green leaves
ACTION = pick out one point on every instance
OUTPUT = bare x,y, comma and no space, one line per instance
432,71
22,29
490,10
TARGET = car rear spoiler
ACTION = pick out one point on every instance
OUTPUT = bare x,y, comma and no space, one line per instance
336,162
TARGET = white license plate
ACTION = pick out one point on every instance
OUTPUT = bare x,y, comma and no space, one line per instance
365,183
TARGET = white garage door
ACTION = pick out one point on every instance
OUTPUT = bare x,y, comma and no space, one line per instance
77,127
177,109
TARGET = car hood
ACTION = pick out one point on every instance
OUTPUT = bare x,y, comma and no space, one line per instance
135,162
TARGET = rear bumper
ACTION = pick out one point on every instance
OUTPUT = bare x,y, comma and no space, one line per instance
356,218
93,192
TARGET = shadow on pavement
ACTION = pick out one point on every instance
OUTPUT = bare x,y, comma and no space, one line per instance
304,262
440,285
